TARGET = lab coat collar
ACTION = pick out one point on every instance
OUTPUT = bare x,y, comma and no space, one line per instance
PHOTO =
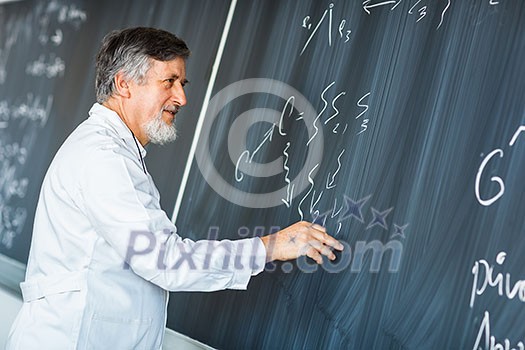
112,118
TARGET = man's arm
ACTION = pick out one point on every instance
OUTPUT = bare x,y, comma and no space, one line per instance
120,205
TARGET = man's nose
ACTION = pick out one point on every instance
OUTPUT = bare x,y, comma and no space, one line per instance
178,95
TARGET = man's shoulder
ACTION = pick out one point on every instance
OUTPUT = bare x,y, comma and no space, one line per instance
93,136
90,142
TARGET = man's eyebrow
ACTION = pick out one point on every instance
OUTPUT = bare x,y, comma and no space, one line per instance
175,76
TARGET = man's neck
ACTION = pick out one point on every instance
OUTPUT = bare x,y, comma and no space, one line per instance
116,106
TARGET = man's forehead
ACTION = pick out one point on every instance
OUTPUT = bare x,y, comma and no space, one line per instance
172,68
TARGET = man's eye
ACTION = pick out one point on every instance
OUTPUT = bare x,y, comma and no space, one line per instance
171,81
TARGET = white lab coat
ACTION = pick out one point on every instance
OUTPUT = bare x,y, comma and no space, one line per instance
97,208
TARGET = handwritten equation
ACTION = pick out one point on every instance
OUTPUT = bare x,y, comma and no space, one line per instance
328,29
56,15
49,66
333,30
45,28
333,121
33,109
12,218
55,20
418,8
30,115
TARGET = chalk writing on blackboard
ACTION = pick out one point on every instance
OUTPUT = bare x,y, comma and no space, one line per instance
368,5
55,38
32,109
417,8
484,278
61,13
12,218
364,124
11,38
53,18
10,185
443,14
247,156
323,109
497,179
289,186
311,189
12,221
330,180
336,111
339,31
489,341
49,67
237,142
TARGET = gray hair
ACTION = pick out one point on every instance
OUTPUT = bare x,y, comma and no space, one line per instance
130,51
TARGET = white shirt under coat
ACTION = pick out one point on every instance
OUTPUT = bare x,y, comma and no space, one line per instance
79,293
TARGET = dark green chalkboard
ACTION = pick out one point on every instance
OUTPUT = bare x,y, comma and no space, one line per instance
426,91
405,137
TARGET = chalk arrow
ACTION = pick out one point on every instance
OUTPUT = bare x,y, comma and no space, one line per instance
330,184
289,196
312,203
319,219
367,7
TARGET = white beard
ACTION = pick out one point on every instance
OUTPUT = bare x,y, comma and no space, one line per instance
159,132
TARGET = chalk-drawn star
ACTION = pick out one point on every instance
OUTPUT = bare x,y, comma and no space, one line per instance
399,231
379,218
354,208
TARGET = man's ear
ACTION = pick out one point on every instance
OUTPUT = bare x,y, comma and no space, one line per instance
121,85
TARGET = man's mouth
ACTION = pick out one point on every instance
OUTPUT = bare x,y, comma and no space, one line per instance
172,110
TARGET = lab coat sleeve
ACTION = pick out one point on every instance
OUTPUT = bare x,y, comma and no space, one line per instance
120,203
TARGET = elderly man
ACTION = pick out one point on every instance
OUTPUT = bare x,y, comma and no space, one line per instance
103,254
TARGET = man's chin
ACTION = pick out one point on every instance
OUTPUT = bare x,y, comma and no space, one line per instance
163,135
162,140
168,118
160,131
